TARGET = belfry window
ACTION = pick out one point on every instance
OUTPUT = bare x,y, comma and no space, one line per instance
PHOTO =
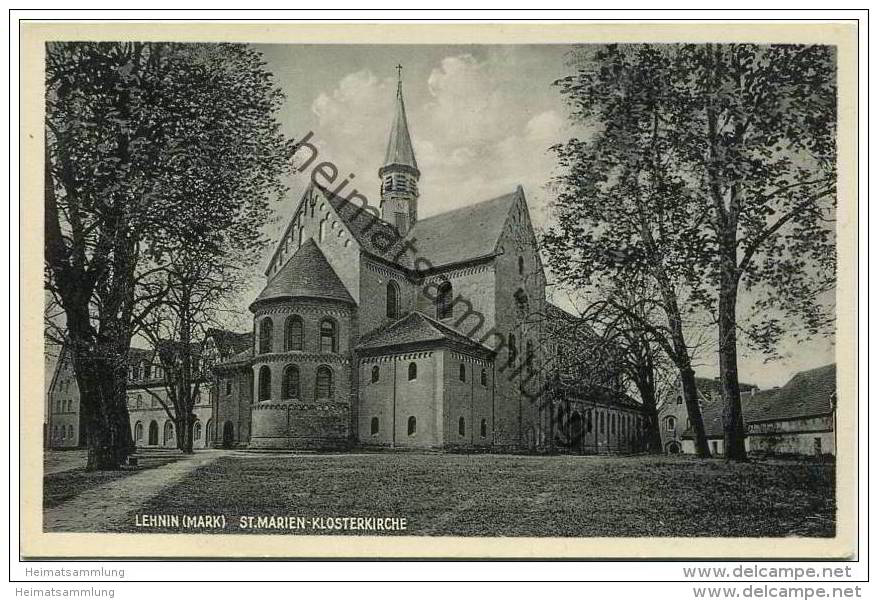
376,373
413,371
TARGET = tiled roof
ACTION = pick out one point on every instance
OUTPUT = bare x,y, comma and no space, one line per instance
557,319
236,359
306,274
467,233
229,342
600,394
416,328
807,394
399,144
373,234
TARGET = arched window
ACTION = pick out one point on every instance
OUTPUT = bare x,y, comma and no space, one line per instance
322,232
412,426
196,431
376,373
153,433
443,301
671,424
324,382
588,424
413,371
601,422
679,400
512,354
613,424
392,300
462,372
461,426
265,327
328,342
520,265
483,429
291,382
373,429
138,431
293,333
139,401
169,432
264,383
484,377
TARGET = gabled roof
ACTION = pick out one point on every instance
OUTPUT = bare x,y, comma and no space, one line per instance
399,144
229,342
464,234
306,274
373,234
807,394
417,328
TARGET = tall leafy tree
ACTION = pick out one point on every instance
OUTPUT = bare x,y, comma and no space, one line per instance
622,212
755,138
148,147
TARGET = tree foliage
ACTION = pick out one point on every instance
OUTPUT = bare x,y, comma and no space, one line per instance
623,214
732,146
149,149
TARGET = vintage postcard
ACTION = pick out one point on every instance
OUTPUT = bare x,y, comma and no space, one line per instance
412,290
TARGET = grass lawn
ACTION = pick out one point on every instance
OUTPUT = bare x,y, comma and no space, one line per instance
60,486
507,495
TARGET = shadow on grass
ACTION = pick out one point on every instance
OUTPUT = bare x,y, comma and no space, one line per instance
505,495
60,487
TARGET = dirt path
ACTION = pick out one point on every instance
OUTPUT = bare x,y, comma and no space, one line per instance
102,508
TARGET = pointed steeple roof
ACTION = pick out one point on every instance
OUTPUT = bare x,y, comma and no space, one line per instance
399,146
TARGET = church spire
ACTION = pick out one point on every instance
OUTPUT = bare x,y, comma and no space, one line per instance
399,145
399,174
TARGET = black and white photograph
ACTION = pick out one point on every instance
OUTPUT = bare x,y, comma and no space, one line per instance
566,291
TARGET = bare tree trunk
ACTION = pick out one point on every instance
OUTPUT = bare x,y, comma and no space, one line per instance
684,365
690,395
185,426
733,418
103,409
652,438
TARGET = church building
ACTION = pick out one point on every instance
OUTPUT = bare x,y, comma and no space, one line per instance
379,328
382,328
